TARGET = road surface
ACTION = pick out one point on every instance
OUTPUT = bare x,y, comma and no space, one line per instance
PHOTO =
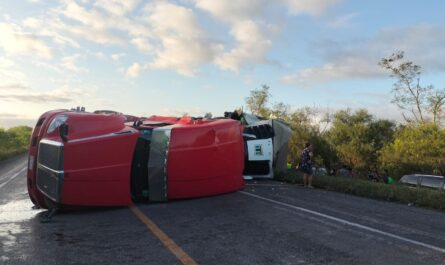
267,223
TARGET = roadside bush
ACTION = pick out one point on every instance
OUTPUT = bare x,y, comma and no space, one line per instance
423,197
14,141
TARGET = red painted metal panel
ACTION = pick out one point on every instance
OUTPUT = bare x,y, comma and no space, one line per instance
205,159
97,160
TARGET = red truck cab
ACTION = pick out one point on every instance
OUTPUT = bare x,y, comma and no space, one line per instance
87,159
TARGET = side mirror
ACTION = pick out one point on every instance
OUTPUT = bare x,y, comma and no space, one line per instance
63,132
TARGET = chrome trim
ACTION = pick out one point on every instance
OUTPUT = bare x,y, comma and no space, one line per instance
50,169
51,142
157,164
102,136
253,136
59,179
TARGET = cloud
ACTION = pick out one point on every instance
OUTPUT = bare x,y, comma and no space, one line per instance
229,12
133,71
252,35
69,63
171,35
61,95
15,41
12,86
358,59
9,75
8,116
342,21
183,44
251,46
117,7
311,7
6,63
142,44
117,56
348,68
254,26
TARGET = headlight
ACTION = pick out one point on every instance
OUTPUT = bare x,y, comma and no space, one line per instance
56,122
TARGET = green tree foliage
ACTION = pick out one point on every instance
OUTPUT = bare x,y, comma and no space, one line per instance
258,100
416,149
357,137
422,103
307,129
14,141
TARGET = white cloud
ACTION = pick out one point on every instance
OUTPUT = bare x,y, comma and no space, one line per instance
117,56
133,71
8,87
8,72
184,45
50,28
252,35
117,7
254,26
61,95
311,7
69,63
358,59
342,21
32,23
251,46
15,41
230,12
5,63
142,44
347,68
170,34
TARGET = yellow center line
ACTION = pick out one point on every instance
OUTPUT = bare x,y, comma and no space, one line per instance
163,237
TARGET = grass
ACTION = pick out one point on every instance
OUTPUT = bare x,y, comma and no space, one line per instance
423,197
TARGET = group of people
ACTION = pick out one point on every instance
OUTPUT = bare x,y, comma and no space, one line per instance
373,175
306,167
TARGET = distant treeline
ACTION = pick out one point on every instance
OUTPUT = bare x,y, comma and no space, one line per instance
14,141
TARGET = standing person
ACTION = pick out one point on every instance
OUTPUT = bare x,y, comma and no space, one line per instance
306,165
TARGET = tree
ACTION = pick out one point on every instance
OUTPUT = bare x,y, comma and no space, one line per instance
305,127
416,149
424,103
357,137
280,111
258,100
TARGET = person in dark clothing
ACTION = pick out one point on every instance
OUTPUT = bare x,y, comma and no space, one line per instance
306,165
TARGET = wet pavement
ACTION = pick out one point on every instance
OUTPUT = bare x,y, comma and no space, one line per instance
267,223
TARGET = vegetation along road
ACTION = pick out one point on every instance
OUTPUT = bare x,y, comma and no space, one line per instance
266,223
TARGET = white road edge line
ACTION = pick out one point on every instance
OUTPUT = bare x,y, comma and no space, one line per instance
6,175
342,221
11,178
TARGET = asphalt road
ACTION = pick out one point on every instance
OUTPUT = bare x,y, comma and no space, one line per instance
266,223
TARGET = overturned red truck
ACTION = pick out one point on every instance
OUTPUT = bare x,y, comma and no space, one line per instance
106,158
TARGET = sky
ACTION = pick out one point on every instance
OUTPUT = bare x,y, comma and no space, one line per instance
197,56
